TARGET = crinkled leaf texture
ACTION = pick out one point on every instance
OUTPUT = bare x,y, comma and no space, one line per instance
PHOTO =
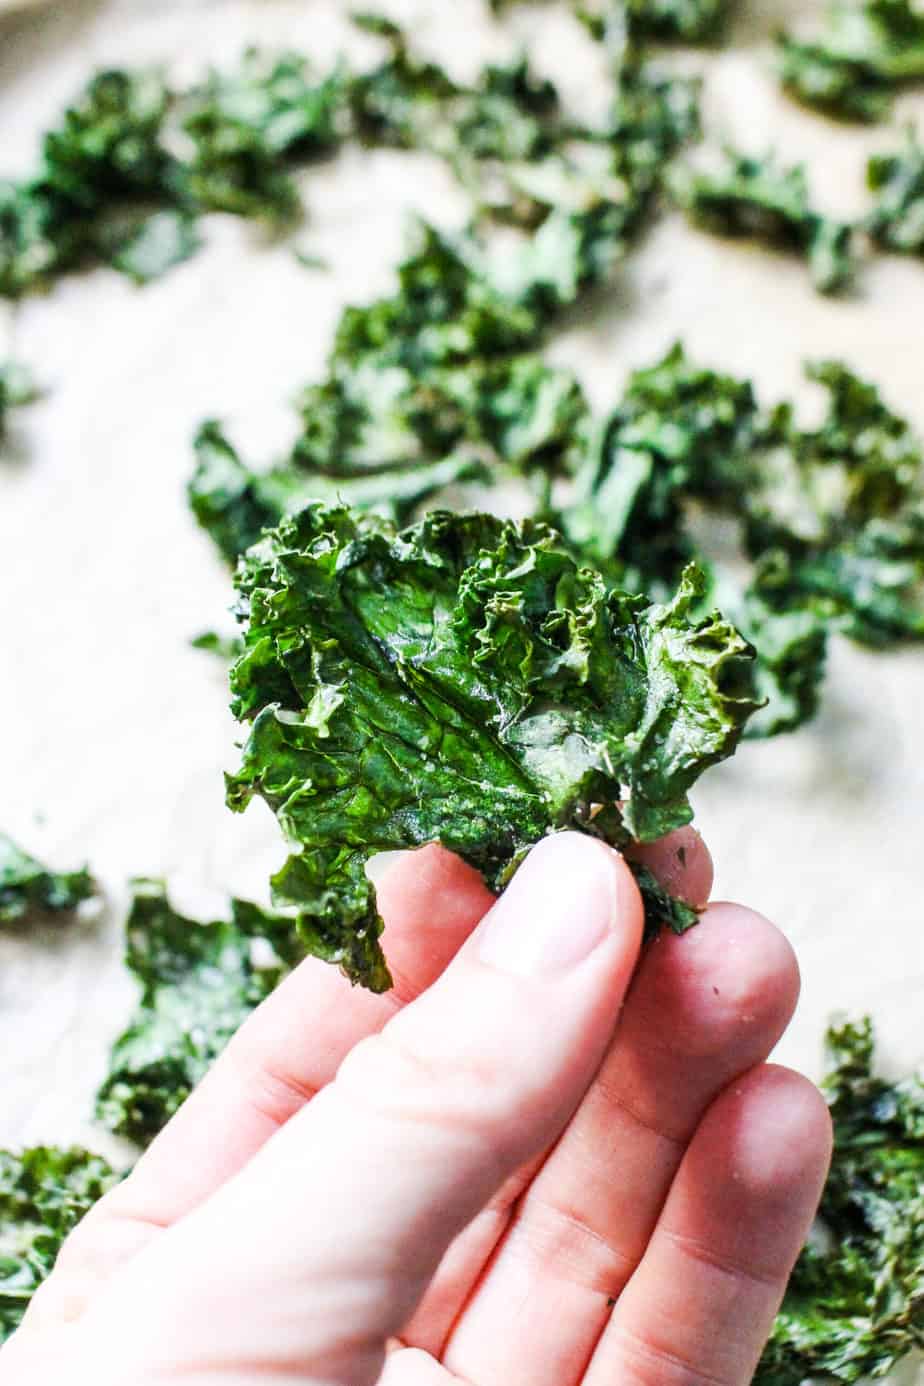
199,982
462,681
44,1192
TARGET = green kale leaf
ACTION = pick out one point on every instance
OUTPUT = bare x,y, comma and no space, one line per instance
462,681
855,1304
865,51
17,387
755,197
26,886
897,221
44,1192
199,982
101,172
670,21
249,127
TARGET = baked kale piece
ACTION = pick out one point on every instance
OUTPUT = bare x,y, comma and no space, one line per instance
865,51
897,221
17,388
102,172
199,982
855,1304
751,196
249,127
44,1192
462,681
672,21
26,886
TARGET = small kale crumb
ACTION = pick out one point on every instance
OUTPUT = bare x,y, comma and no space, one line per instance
44,1192
17,388
199,982
213,642
854,1305
28,888
751,196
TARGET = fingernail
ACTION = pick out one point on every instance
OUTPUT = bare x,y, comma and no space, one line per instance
559,906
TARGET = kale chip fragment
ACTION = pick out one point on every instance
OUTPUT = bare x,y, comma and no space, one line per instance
44,1192
462,681
855,1303
17,387
27,886
897,220
866,50
199,982
751,196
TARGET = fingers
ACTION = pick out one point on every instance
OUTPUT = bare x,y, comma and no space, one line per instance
681,862
290,1047
703,1008
346,1213
702,1302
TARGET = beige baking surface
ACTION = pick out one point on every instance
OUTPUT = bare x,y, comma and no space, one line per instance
115,733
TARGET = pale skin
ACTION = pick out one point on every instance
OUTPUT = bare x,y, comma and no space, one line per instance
541,1160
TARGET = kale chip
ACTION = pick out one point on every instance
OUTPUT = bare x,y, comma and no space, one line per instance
44,1192
855,1304
26,886
897,221
17,387
101,172
249,127
865,51
462,681
752,196
199,982
663,21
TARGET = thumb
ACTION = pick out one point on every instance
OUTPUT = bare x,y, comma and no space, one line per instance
319,1251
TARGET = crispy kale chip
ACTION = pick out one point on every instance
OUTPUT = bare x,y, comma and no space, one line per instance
855,1304
827,522
17,387
44,1192
462,681
866,50
249,127
199,982
897,220
101,173
26,886
663,21
751,196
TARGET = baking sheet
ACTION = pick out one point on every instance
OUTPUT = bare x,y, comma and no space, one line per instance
114,733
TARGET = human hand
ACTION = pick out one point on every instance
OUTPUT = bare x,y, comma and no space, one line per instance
514,1168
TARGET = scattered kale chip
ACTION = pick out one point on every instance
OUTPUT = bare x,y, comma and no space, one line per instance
17,388
26,886
855,1304
866,50
249,127
462,681
897,221
661,21
752,196
44,1192
102,172
199,982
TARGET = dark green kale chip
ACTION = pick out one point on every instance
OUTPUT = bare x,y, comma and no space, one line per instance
671,21
101,173
751,196
463,681
17,388
897,221
44,1192
27,887
855,1304
199,982
250,127
865,51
